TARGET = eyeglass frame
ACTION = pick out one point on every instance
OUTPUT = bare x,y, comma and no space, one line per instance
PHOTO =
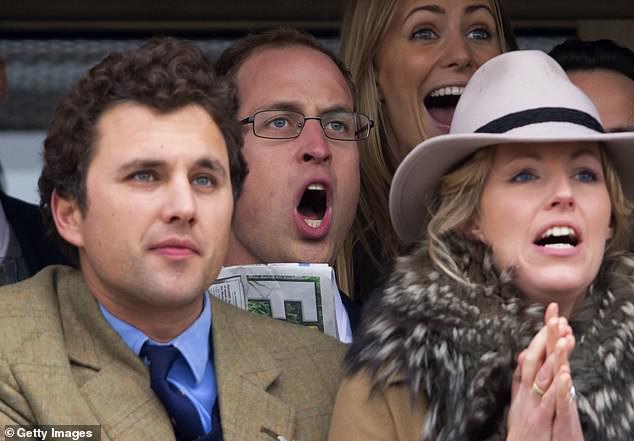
251,120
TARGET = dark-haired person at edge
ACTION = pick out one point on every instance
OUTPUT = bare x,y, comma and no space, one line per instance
512,318
410,61
142,165
604,71
24,247
301,136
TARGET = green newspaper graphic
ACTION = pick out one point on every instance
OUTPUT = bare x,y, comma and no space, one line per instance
299,294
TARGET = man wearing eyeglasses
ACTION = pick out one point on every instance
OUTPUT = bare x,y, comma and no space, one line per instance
301,132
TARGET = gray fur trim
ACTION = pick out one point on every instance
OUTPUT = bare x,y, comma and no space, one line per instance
458,345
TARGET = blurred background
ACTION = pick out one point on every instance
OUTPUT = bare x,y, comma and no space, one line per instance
46,46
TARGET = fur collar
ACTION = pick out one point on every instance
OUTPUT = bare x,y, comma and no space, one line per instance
458,345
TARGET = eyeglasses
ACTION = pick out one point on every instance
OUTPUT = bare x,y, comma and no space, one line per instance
287,124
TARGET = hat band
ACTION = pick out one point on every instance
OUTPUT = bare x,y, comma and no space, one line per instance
541,115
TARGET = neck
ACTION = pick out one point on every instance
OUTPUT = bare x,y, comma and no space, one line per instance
568,302
238,254
158,324
567,308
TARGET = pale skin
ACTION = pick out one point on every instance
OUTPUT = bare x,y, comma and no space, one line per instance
532,189
266,226
430,45
159,205
545,363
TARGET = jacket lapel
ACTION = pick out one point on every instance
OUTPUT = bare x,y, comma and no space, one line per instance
244,372
113,381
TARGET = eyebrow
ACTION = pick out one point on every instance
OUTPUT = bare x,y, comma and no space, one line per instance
583,152
436,9
135,164
294,107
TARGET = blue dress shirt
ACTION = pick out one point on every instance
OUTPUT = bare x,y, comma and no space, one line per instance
192,372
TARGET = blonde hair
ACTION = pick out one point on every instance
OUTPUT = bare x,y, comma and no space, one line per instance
365,24
459,199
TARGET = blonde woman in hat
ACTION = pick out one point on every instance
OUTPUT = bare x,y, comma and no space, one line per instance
410,60
519,284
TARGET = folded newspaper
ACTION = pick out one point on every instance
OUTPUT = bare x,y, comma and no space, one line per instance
296,292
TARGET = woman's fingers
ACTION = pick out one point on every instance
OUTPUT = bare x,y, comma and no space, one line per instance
544,377
552,311
553,333
566,426
563,349
534,356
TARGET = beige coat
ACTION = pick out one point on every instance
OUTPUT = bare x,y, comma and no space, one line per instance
61,363
386,415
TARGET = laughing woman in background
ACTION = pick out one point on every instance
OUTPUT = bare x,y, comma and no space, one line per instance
410,61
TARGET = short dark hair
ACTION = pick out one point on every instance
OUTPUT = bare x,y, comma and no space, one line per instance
575,54
164,74
232,58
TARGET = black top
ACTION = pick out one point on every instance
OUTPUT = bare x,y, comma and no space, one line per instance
353,309
26,222
368,274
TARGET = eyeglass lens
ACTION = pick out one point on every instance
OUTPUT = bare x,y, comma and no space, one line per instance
279,124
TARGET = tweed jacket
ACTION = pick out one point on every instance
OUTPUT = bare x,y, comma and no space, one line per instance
61,363
433,359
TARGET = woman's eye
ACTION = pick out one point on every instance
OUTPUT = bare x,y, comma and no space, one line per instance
424,34
479,34
524,176
586,176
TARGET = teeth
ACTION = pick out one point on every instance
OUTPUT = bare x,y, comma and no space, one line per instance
558,246
559,231
450,90
313,223
316,186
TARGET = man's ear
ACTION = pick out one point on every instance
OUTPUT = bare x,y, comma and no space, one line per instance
68,218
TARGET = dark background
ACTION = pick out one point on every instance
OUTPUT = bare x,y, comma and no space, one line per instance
47,45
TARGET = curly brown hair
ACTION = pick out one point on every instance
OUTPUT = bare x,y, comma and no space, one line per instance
165,74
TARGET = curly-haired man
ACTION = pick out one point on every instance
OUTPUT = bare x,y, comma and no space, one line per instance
142,164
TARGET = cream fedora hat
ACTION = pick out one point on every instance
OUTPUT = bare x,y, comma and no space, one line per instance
516,97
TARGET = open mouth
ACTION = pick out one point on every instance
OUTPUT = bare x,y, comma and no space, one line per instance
312,206
442,102
558,238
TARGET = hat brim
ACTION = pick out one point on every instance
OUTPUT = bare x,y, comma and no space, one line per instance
418,177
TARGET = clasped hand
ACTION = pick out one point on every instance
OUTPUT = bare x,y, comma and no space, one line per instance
543,405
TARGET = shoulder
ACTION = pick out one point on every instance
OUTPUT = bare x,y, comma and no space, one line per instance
30,310
364,414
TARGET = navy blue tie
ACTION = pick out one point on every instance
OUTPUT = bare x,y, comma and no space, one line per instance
183,413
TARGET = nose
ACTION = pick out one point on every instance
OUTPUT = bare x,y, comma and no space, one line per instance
457,54
314,146
179,205
562,195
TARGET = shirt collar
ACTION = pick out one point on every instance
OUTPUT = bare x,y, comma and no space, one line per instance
193,343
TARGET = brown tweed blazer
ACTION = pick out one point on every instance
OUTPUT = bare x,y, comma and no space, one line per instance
61,363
